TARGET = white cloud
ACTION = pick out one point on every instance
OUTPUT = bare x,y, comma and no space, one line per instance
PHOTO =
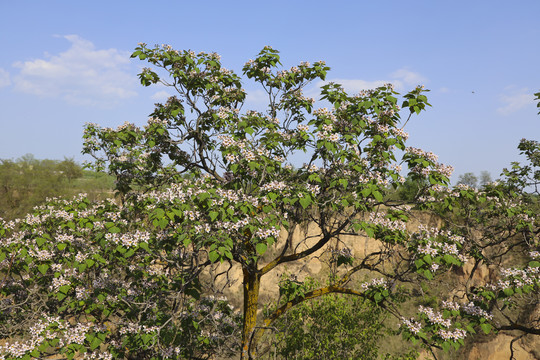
515,101
161,96
81,75
4,78
402,79
408,78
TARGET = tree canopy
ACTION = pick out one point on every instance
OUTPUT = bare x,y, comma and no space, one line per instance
205,183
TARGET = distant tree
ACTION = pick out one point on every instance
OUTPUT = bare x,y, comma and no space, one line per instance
468,179
70,169
485,178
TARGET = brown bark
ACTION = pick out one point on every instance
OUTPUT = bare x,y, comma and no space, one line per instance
252,280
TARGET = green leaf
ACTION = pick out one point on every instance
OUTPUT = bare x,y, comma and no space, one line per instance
213,256
61,246
446,345
305,201
272,196
95,343
114,230
213,215
261,248
508,291
43,268
40,241
129,253
486,328
35,353
378,196
449,259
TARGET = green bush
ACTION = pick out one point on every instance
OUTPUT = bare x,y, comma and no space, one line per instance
331,327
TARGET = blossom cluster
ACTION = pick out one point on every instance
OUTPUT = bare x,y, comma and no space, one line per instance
469,308
46,328
454,335
266,233
442,169
447,243
274,185
128,239
381,220
518,278
434,316
375,283
414,326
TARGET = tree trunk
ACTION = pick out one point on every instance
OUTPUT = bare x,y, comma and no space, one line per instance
251,282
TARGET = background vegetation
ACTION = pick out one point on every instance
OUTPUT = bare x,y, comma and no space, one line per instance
27,182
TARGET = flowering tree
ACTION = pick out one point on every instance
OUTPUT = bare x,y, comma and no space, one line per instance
204,183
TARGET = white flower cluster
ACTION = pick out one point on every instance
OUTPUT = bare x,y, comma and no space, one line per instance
128,239
46,328
399,132
132,328
203,228
374,283
98,356
266,233
324,112
41,255
469,308
314,189
75,334
434,316
454,335
325,135
414,326
472,309
435,248
223,113
82,293
227,141
274,185
450,305
58,282
421,153
192,215
518,277
445,170
381,220
155,120
228,225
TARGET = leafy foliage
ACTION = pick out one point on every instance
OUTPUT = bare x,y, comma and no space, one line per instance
331,327
203,185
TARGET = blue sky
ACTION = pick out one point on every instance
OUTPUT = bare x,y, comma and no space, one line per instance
65,63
